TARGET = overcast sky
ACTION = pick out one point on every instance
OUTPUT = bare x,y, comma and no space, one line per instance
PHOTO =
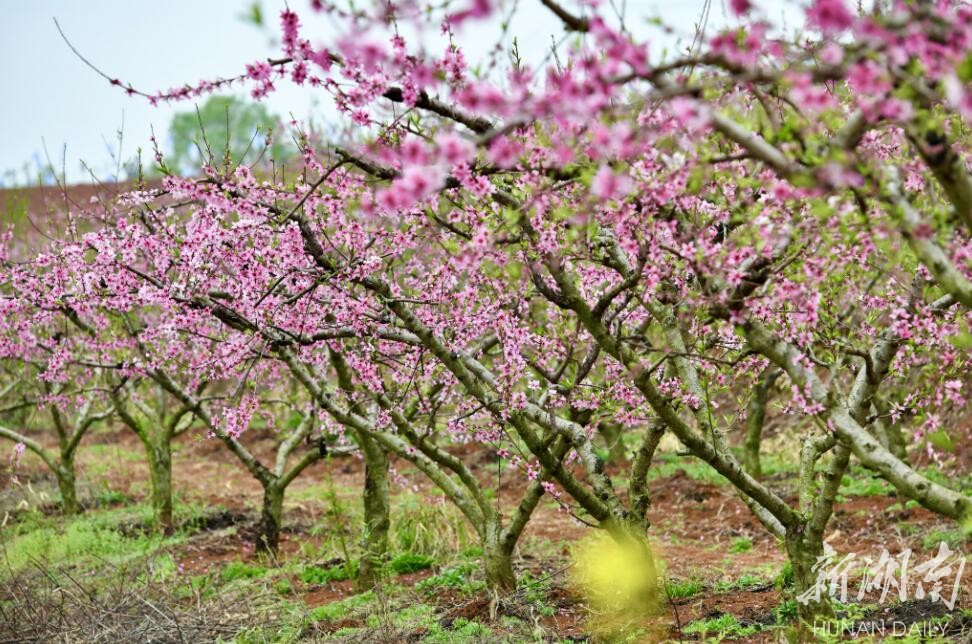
52,98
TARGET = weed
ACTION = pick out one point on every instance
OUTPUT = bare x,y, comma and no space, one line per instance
319,576
455,577
239,570
462,630
952,538
776,464
860,482
666,465
536,591
80,541
111,497
723,626
410,562
342,608
745,580
429,527
409,617
680,589
740,544
162,568
786,611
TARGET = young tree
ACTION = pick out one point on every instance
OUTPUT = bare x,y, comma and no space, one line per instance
72,413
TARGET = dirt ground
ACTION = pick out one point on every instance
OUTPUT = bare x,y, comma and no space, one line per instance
702,533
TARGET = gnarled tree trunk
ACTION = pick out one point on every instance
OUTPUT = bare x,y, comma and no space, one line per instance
804,548
268,530
67,485
376,513
160,472
497,560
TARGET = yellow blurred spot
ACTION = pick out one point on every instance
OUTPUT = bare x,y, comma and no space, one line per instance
620,580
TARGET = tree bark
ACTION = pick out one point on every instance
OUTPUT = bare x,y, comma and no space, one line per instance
755,419
268,530
498,561
891,438
803,549
66,483
160,472
376,513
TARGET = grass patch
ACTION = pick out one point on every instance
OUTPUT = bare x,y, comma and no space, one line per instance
680,589
740,544
239,570
319,576
722,626
536,591
409,562
82,541
341,609
114,453
462,630
458,577
428,526
667,465
745,581
954,538
861,482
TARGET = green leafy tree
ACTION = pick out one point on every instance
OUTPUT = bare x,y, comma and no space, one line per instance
224,130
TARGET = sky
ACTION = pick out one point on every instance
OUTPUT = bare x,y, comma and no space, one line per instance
58,108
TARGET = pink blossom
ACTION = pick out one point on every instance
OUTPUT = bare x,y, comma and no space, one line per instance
608,185
740,7
959,96
689,113
504,152
830,16
454,149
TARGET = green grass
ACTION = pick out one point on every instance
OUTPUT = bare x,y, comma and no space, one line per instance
81,541
785,578
458,577
413,618
954,539
408,562
114,452
740,544
723,626
861,483
319,576
239,570
682,588
667,465
960,483
341,609
111,497
536,591
284,587
744,581
776,464
427,525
